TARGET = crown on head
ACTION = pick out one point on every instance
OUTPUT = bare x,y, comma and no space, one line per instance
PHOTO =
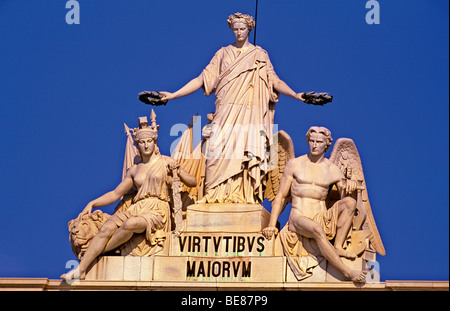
146,131
239,17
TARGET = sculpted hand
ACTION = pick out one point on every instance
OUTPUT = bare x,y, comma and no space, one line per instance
86,210
173,164
166,96
299,96
269,232
351,186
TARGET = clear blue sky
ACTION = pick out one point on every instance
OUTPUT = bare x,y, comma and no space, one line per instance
66,91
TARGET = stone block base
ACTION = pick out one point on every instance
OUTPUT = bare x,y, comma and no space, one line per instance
225,217
220,244
185,268
45,284
271,269
121,268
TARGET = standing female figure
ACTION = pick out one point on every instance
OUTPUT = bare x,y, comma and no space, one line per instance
246,89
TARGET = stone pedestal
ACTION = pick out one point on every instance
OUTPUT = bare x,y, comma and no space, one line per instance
122,268
220,243
237,218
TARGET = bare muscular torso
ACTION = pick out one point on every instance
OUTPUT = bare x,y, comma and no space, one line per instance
310,185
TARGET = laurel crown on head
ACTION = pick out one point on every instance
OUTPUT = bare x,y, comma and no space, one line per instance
239,17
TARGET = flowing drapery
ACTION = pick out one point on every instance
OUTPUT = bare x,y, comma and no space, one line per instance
241,131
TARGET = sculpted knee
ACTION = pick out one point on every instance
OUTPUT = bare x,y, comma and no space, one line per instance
350,203
107,229
318,232
133,224
129,224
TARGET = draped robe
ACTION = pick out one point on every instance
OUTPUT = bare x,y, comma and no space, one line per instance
152,204
241,130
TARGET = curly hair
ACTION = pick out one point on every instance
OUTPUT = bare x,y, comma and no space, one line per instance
248,20
320,130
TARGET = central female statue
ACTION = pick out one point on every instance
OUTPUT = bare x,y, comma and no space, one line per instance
246,89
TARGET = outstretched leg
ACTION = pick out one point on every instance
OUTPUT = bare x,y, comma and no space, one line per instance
310,229
94,249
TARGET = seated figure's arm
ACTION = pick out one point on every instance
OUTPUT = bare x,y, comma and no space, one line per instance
278,203
187,178
111,196
344,185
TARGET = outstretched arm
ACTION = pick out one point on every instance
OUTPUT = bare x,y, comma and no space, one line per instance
189,88
281,87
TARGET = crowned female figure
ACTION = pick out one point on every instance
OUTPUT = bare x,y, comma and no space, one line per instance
149,212
246,90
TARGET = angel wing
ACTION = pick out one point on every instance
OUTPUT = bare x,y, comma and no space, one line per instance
279,157
345,155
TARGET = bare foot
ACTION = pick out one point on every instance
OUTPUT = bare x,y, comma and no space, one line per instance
342,253
74,274
236,199
202,201
356,276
